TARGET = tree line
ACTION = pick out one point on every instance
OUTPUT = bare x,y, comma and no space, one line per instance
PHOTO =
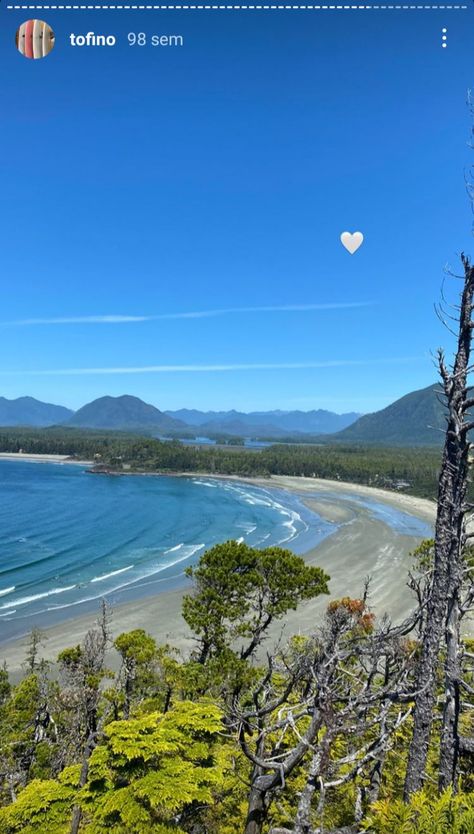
413,470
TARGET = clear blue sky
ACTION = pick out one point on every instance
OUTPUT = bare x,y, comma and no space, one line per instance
152,182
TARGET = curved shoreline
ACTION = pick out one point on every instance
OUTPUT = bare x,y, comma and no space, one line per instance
361,546
422,508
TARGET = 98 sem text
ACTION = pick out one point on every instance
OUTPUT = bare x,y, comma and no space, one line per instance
143,39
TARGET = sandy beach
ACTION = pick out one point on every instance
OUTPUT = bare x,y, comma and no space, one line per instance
362,546
32,458
420,507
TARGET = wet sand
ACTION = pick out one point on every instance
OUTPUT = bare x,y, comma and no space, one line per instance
361,547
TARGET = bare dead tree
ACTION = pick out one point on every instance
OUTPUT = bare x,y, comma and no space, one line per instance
458,676
369,721
342,685
36,641
453,745
442,615
18,755
88,672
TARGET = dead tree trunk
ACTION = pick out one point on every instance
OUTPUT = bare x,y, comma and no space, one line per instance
449,747
264,783
257,807
447,572
93,657
303,815
77,810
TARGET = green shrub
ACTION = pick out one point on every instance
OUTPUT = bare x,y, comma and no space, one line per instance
446,814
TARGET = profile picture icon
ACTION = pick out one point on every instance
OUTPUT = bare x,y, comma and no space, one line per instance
34,39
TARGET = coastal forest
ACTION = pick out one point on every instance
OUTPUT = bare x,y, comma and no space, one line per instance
412,470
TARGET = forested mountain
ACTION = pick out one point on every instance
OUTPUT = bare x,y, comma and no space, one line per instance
26,411
127,413
242,428
416,419
124,413
268,423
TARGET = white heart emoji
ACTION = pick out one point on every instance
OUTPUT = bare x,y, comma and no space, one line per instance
351,241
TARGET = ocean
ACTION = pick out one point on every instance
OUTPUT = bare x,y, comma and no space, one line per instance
69,538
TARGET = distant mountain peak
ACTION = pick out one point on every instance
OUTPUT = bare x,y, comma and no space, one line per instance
28,411
417,418
124,413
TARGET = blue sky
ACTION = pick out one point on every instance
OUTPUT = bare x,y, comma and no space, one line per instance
170,218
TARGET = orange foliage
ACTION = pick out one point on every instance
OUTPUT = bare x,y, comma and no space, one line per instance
355,607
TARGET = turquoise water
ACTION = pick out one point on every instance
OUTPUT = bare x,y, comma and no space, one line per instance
69,538
403,523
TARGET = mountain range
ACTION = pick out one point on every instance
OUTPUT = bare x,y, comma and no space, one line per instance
418,418
264,423
127,413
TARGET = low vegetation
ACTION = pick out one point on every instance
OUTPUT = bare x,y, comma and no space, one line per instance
310,737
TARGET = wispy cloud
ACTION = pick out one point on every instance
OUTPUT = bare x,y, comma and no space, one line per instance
192,314
112,319
217,368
